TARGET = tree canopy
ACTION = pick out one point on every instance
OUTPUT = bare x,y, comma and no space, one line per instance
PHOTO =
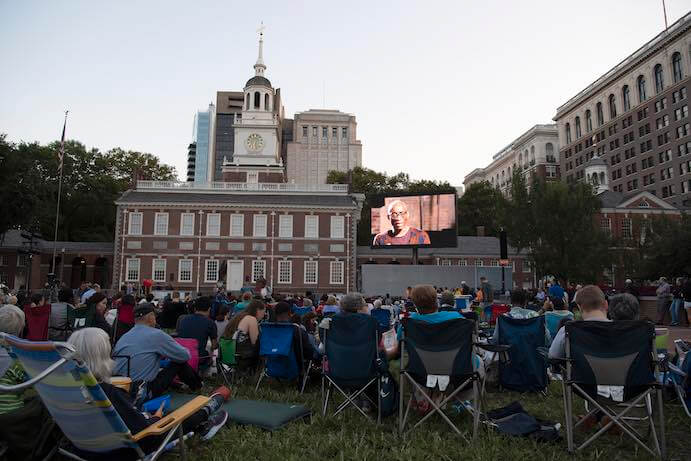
480,205
92,181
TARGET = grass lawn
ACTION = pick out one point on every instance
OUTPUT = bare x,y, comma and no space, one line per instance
350,437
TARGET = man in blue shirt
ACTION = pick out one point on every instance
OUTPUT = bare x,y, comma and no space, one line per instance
145,346
556,291
199,326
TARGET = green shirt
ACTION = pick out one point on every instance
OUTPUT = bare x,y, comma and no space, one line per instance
13,400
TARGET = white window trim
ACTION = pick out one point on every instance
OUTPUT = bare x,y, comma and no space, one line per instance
310,218
127,270
255,222
161,216
208,219
182,223
206,270
180,280
290,271
242,224
141,223
341,266
282,221
153,269
339,227
316,272
263,261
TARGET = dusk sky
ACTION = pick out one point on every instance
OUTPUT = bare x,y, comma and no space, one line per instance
437,87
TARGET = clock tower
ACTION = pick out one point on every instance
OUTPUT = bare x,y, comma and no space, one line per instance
257,154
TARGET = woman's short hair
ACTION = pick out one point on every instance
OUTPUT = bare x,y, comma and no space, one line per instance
352,302
331,301
623,306
377,303
36,298
93,347
425,297
12,320
447,298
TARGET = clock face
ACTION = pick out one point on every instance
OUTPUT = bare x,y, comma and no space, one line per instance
254,142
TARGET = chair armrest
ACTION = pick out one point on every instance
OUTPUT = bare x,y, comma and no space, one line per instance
166,423
123,382
676,370
494,347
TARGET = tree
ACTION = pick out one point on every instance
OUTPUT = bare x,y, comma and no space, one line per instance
664,248
518,216
480,205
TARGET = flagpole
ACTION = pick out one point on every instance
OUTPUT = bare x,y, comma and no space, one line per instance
57,211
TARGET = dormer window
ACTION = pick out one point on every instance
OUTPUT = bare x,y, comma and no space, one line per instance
644,204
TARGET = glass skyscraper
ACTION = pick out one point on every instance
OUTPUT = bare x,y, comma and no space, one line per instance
203,135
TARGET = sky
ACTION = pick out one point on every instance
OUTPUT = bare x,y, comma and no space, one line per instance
437,87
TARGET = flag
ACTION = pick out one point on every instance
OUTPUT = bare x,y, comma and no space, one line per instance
61,152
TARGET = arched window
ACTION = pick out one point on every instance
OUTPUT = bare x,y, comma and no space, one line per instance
588,121
578,127
257,100
266,102
509,171
659,84
532,155
602,177
525,156
626,97
567,132
676,67
247,105
641,89
600,115
549,148
612,107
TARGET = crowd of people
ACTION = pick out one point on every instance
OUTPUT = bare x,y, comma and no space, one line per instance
143,338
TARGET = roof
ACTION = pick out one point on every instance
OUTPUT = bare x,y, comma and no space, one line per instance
466,246
597,160
610,199
13,239
258,80
224,199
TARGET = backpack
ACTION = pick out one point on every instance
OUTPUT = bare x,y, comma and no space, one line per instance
388,389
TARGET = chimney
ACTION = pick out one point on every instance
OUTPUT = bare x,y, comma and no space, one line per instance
480,231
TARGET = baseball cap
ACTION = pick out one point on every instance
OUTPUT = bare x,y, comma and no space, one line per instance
143,309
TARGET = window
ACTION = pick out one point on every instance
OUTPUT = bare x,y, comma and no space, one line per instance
252,177
663,121
211,271
325,130
337,227
665,156
161,224
336,273
643,130
314,131
626,228
676,67
285,226
666,173
684,168
258,246
257,100
344,133
612,107
304,131
647,163
679,94
588,121
285,271
661,104
600,115
213,224
567,132
237,225
683,130
680,113
135,224
259,227
667,191
334,133
311,248
578,127
478,262
663,138
247,103
626,98
659,84
266,102
336,248
187,224
310,272
643,113
527,269
132,270
606,225
312,226
3,260
258,270
158,270
641,89
185,270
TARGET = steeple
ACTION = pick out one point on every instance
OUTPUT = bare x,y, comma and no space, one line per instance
260,67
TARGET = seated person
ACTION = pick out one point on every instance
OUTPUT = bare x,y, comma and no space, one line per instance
58,326
425,299
447,301
307,303
99,303
518,311
222,317
200,327
93,347
172,310
246,298
283,315
623,306
145,345
244,329
12,321
331,306
309,323
125,319
555,311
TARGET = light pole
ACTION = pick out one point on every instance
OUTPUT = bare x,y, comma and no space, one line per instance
199,249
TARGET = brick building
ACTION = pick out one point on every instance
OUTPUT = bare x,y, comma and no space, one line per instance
193,236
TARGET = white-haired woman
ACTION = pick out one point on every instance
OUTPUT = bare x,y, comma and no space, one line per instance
12,322
93,347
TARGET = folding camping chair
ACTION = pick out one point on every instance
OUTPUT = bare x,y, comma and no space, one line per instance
350,363
300,311
496,311
80,407
617,359
679,375
383,318
226,362
439,351
37,321
526,368
278,345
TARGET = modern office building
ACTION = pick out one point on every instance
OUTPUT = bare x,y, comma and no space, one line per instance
635,118
534,153
323,140
228,106
191,160
204,140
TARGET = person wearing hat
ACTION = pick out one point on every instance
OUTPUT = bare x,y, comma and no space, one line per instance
145,346
631,289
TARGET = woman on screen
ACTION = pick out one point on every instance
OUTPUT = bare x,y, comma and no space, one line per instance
402,233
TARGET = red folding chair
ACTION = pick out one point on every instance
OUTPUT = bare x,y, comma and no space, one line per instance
37,320
497,310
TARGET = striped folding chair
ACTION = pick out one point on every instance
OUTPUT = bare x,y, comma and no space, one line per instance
80,407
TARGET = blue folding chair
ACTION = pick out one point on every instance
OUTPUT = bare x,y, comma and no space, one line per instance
526,369
351,363
301,310
383,318
281,349
79,406
552,321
